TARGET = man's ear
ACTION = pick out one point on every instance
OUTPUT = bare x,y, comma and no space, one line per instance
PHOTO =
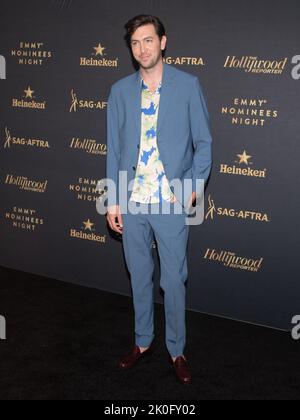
164,42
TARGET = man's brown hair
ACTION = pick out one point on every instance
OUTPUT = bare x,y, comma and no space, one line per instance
133,24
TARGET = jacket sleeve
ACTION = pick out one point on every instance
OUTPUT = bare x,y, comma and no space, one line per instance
113,149
202,140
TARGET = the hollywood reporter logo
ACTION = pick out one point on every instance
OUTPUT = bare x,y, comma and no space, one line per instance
2,68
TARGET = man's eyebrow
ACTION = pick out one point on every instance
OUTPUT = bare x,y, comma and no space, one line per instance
147,37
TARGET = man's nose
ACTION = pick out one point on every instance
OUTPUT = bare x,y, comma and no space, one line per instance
142,48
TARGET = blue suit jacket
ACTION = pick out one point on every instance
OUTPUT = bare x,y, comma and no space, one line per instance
183,134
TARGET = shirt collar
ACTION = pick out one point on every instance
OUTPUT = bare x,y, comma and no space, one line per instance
143,84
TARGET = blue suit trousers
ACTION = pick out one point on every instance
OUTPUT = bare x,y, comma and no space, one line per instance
171,234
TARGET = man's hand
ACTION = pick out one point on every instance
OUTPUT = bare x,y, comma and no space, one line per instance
191,202
193,198
114,219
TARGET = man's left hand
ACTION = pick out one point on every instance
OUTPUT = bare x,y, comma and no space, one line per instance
192,200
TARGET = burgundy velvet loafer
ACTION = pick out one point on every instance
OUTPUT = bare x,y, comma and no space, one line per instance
133,357
181,369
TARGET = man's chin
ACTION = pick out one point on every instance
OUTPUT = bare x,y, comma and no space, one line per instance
147,66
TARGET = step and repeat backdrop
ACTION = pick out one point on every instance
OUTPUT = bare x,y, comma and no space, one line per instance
58,60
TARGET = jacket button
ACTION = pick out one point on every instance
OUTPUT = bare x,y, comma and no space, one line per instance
134,168
138,146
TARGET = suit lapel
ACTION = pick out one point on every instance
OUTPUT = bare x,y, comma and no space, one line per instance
166,97
136,103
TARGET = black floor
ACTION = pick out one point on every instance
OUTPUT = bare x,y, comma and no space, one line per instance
64,341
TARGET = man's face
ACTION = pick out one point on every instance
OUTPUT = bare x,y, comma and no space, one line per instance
147,47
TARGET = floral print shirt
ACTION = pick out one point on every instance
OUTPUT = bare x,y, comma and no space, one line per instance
150,184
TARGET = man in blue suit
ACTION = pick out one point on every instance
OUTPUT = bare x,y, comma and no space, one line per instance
157,132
